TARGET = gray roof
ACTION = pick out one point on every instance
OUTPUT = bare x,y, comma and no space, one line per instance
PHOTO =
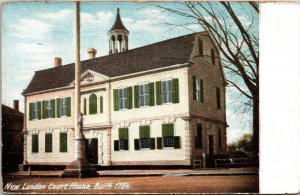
158,55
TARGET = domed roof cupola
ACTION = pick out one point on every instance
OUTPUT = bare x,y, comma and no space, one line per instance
118,36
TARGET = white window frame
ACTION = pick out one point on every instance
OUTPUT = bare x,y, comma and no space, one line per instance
35,115
173,137
123,98
63,107
48,109
148,143
167,94
144,98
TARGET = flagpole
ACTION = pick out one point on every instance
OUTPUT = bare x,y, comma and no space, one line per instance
80,167
79,149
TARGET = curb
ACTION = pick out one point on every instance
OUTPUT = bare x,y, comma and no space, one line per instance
146,175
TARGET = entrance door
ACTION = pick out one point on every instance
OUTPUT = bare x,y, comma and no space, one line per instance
210,162
92,150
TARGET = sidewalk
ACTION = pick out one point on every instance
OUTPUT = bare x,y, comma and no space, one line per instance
164,172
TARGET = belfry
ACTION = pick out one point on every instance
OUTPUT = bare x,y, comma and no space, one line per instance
118,36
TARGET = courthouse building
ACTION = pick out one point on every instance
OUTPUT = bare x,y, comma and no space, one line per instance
159,104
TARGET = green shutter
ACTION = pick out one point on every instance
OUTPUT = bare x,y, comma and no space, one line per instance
144,131
136,96
152,143
53,108
116,99
101,104
35,143
30,111
159,142
167,130
123,133
201,53
39,110
63,142
176,142
126,145
43,109
116,145
158,92
136,144
201,91
194,88
48,142
175,85
84,106
68,106
58,107
93,104
129,92
151,94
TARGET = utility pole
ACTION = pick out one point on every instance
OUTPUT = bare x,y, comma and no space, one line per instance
80,167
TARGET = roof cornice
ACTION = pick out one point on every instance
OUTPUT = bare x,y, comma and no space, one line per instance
112,79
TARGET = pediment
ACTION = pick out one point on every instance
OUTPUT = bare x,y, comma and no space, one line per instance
89,77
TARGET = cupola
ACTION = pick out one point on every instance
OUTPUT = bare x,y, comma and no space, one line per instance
118,36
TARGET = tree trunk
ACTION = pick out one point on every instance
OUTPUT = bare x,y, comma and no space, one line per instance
256,124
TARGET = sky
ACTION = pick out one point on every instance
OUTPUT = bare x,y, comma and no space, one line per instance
33,33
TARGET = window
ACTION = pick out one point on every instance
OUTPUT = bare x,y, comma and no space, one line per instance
48,142
63,142
93,104
168,135
145,136
123,98
218,98
213,61
198,89
101,104
49,110
168,139
35,110
201,53
220,137
35,143
63,106
122,143
144,95
84,106
198,138
166,91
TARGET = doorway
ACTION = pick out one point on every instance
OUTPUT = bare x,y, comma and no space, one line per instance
92,150
210,162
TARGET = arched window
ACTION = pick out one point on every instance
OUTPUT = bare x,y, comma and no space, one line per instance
93,104
120,38
113,38
84,106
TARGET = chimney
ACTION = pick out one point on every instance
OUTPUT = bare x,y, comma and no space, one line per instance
16,105
92,53
57,62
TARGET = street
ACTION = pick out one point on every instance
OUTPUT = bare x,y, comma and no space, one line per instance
153,184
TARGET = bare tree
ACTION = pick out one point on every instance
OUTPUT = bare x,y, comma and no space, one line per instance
233,28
